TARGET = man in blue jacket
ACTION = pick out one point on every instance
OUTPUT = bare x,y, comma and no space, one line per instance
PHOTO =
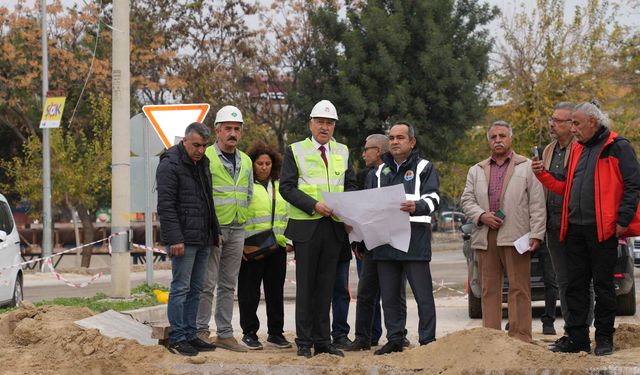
403,165
190,229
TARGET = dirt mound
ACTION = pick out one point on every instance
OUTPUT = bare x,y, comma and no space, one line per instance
627,336
45,341
484,350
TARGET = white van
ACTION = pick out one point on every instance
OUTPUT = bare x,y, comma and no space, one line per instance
10,278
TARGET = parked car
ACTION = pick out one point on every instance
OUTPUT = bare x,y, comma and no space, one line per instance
10,278
635,246
449,221
623,278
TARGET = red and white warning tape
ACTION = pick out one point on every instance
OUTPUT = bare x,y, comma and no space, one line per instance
154,249
49,264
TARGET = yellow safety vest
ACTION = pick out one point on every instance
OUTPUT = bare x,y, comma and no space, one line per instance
259,213
231,198
314,177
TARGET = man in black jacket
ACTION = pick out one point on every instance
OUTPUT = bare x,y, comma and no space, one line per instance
403,165
189,227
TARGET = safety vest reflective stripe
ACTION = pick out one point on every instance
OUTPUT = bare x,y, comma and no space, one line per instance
227,189
314,177
422,164
230,197
258,220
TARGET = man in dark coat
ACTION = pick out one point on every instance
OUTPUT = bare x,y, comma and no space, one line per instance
403,165
312,166
189,228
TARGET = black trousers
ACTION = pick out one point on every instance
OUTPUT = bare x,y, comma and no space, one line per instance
550,286
270,272
368,297
316,262
589,259
390,275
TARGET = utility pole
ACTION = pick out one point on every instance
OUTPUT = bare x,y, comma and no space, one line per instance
47,245
120,163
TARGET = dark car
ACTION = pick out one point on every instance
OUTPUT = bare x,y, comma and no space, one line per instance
623,278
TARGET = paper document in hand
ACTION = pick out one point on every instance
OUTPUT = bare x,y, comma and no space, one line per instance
374,215
522,243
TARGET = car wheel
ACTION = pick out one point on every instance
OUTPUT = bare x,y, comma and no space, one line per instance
17,293
627,302
475,306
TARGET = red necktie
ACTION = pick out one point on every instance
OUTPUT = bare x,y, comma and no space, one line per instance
323,154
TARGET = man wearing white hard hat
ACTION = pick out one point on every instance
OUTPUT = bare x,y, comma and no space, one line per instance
314,165
232,175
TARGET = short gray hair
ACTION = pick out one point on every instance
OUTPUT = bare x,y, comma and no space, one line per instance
502,123
197,127
569,106
380,140
593,111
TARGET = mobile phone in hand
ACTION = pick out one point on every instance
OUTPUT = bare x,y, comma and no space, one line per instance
499,214
537,152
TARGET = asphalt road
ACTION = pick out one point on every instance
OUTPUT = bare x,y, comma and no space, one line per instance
448,268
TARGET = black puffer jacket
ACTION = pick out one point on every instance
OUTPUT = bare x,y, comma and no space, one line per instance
185,199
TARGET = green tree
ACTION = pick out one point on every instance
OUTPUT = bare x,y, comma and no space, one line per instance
80,168
545,59
421,61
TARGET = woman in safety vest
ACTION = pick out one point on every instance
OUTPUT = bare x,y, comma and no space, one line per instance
264,228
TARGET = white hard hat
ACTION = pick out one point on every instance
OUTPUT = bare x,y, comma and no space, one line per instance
229,113
324,109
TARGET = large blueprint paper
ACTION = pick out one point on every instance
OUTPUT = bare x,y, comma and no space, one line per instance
374,215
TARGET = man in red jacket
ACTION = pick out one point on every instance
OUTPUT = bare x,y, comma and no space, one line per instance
600,203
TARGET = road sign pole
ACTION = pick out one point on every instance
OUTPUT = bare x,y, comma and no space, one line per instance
148,212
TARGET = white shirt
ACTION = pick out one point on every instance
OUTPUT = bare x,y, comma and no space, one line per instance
317,145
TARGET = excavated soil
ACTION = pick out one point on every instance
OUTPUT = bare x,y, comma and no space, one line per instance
44,340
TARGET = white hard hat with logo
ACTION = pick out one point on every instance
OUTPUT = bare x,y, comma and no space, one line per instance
324,109
229,113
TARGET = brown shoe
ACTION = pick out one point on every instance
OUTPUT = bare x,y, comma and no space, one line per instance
204,336
230,343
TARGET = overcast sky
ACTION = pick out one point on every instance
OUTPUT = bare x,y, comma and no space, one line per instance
629,15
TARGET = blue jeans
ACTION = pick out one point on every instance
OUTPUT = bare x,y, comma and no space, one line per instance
188,273
340,301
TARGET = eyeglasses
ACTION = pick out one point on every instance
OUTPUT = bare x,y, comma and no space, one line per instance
370,147
557,120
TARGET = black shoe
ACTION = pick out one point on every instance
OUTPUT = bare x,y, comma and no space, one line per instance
405,342
183,348
342,342
250,340
329,349
278,341
559,341
390,347
357,345
603,347
304,351
201,345
548,329
426,342
506,327
570,346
